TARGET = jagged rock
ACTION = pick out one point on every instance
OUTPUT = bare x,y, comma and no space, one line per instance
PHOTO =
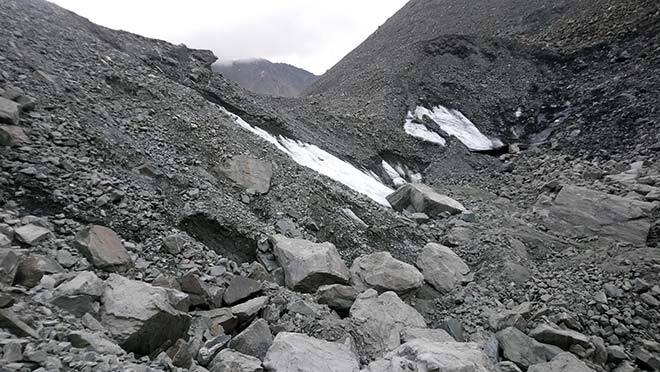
309,265
430,335
301,353
180,354
500,319
250,173
5,242
166,281
422,355
9,111
32,234
647,358
140,316
507,366
240,289
12,352
102,247
249,309
418,197
229,360
353,217
10,321
524,350
583,212
211,348
11,135
222,318
8,266
381,318
6,300
96,342
563,338
254,340
175,243
454,328
338,297
441,267
564,362
77,296
32,268
383,272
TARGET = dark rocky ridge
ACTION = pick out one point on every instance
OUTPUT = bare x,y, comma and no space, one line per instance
264,77
124,131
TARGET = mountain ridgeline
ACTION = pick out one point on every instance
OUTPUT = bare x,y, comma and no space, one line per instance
264,77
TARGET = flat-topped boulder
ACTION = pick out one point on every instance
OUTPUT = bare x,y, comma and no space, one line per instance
383,272
308,265
250,173
301,353
103,248
578,211
417,197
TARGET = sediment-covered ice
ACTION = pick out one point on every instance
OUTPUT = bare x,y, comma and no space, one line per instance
452,122
321,161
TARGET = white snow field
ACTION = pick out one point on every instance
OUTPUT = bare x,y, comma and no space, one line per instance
452,122
321,161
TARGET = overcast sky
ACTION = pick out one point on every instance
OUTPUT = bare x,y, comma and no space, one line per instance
310,34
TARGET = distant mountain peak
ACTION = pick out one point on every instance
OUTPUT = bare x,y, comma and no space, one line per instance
262,76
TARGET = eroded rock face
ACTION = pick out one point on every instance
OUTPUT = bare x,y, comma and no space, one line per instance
140,316
417,197
380,320
250,173
383,272
583,212
301,353
442,268
103,248
422,355
308,265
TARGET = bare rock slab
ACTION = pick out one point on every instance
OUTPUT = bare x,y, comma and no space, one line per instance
250,173
301,353
103,248
308,265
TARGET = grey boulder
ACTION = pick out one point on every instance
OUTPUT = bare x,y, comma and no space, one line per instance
9,111
379,320
103,248
240,289
250,173
428,334
383,272
228,360
79,294
337,296
581,212
417,197
524,350
33,267
255,340
140,316
308,265
564,362
442,268
422,355
563,338
33,234
301,353
8,266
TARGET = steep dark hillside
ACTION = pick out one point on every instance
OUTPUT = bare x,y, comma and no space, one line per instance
264,77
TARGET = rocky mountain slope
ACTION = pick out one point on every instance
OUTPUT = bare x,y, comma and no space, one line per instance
155,216
264,77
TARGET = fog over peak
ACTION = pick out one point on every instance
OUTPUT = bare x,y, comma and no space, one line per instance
310,35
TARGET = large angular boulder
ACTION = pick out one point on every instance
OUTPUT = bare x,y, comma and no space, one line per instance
337,296
563,338
383,272
32,234
250,173
564,362
33,267
9,111
240,289
103,248
12,135
417,197
380,319
228,360
301,353
524,350
442,268
308,265
255,340
422,355
79,294
10,321
140,316
578,211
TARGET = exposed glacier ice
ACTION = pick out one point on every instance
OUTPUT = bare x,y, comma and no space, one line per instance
452,122
321,161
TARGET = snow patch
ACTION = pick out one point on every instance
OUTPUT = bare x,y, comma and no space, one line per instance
421,131
321,161
454,123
